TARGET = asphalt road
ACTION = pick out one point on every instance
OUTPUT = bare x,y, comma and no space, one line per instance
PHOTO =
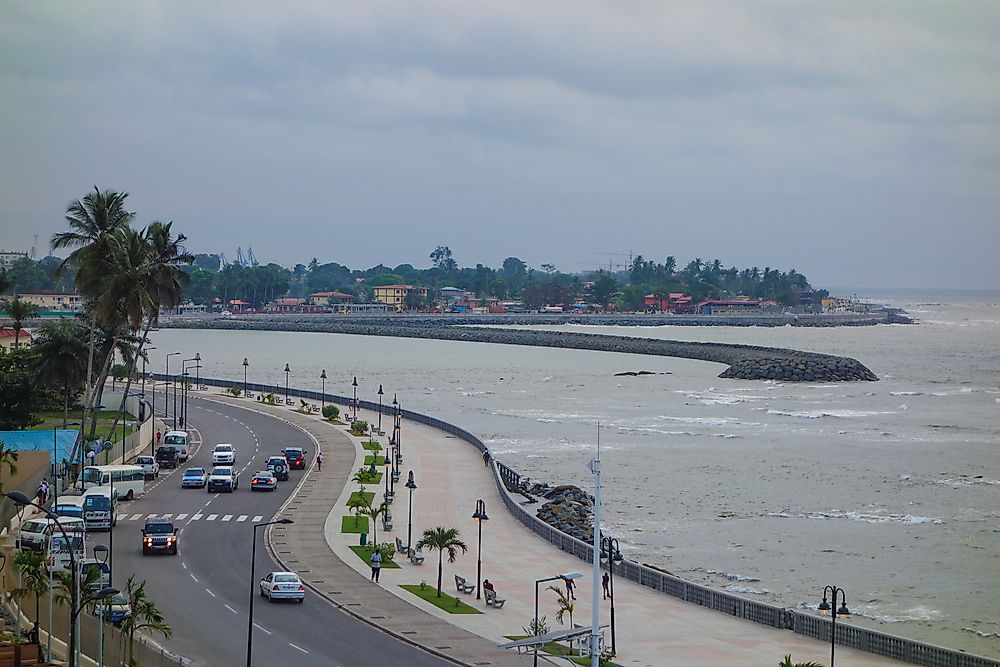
204,591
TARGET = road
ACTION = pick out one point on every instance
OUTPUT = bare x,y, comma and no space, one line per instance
204,591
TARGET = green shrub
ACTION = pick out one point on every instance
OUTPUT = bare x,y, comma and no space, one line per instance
359,427
234,391
331,412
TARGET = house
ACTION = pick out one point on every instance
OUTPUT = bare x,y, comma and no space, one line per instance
286,305
328,298
7,336
396,295
676,302
51,300
8,257
729,307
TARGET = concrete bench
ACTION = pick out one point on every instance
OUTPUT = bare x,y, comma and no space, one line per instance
462,585
400,547
417,557
492,599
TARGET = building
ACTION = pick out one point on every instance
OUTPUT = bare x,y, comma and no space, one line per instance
8,335
396,295
329,298
734,307
673,302
8,257
51,300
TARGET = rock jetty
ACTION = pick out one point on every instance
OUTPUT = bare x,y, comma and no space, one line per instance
571,510
747,362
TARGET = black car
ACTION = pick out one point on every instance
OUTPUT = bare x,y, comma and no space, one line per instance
279,466
296,457
167,456
159,535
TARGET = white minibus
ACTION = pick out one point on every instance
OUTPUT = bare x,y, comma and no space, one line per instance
128,481
100,507
178,439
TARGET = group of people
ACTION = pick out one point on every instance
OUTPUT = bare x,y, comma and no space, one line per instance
43,491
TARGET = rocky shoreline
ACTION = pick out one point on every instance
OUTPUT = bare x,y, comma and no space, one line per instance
747,362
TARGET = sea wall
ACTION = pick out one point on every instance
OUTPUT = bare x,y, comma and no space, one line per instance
747,362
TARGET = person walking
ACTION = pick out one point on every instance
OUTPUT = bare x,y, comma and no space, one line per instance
43,491
486,458
158,436
570,589
319,461
605,581
376,564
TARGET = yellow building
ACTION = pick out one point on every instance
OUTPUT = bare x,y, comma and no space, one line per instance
396,295
47,301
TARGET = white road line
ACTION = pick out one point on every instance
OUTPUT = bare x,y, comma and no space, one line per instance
231,609
150,516
135,517
166,516
297,648
197,516
212,517
195,578
262,629
242,518
258,518
209,591
184,565
228,517
181,517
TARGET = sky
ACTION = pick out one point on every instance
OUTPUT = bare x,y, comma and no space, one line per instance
856,142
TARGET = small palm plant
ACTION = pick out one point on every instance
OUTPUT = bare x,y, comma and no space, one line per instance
787,662
374,513
145,616
565,603
357,504
442,539
35,581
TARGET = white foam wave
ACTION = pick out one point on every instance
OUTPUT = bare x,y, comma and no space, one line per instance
819,414
746,590
731,576
967,481
707,421
904,393
864,517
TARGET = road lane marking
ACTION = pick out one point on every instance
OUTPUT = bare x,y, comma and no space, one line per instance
181,517
231,609
209,591
263,629
242,518
197,516
135,517
298,648
166,516
258,518
212,517
228,517
150,516
195,578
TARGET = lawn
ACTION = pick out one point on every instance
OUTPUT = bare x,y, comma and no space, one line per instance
54,419
368,497
372,446
450,604
365,554
350,524
378,460
554,648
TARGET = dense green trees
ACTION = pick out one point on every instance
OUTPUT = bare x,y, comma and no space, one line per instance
18,310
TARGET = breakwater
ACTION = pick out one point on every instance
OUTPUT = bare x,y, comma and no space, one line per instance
746,362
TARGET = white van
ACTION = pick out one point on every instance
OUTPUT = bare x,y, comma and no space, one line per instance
178,439
34,533
100,508
69,506
59,549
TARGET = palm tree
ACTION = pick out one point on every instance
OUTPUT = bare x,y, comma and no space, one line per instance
374,513
35,580
565,603
787,662
8,458
18,310
62,350
442,539
145,616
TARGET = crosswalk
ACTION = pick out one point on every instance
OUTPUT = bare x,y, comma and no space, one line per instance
197,517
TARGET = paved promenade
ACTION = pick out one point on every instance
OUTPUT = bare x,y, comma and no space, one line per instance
653,629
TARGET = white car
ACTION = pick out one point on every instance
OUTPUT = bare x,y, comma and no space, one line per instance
282,586
150,468
223,455
223,479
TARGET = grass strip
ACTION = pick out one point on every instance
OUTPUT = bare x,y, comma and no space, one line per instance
448,603
372,446
351,524
365,554
554,648
378,460
367,497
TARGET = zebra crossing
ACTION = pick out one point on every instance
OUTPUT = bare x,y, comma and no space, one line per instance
197,517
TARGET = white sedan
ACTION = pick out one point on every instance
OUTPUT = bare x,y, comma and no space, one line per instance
282,586
223,455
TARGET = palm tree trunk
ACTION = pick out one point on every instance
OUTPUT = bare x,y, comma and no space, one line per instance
440,566
128,381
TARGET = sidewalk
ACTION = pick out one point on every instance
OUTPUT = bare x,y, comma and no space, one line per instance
653,629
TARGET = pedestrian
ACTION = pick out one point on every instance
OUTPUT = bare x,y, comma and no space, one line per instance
319,461
158,436
91,457
605,581
376,563
486,458
43,490
570,589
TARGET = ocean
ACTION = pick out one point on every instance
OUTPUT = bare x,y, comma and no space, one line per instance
890,490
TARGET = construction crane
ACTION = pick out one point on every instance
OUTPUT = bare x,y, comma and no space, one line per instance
223,262
33,246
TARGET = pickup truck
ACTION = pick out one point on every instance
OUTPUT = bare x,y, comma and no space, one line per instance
167,456
150,468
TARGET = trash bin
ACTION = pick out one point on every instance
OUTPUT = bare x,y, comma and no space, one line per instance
364,539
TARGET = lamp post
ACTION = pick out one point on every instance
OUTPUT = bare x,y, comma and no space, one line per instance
287,371
184,387
380,409
410,484
144,357
253,583
595,611
480,516
354,403
399,433
322,394
395,433
197,371
101,556
565,577
830,608
166,403
21,500
609,546
246,363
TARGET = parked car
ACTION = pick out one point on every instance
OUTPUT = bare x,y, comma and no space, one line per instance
115,609
223,454
296,457
194,478
159,535
279,466
264,481
222,479
167,456
178,439
150,468
282,586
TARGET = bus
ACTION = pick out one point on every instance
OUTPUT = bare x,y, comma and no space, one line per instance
179,440
129,481
100,508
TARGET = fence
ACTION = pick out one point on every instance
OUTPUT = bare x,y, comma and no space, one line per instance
808,625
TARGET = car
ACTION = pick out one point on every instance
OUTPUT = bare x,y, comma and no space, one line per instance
279,466
264,481
194,478
223,454
296,457
167,456
159,535
115,608
96,581
179,440
222,478
282,586
150,468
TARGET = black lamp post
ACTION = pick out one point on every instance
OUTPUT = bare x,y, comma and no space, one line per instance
410,484
380,409
144,359
831,608
166,403
610,548
322,394
354,403
480,516
197,371
253,584
399,434
565,577
395,433
287,371
246,362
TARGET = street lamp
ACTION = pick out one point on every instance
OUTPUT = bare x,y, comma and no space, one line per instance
565,577
410,484
609,546
287,371
144,359
101,556
184,387
399,434
245,364
21,500
197,371
166,391
380,409
354,403
253,583
831,609
480,516
322,394
395,433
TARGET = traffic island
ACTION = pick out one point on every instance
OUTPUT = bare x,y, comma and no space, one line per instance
445,602
354,524
365,554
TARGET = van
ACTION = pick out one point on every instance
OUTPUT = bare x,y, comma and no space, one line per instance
60,545
178,439
34,534
100,508
69,506
101,580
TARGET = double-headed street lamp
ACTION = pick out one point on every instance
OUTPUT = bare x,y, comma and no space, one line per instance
354,403
610,549
564,577
287,371
246,362
380,409
166,395
480,516
184,386
253,583
411,485
830,608
322,394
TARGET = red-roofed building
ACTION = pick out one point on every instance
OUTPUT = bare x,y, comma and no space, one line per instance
675,302
8,336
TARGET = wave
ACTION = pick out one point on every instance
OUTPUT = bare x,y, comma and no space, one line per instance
819,414
746,590
904,393
864,517
708,421
967,481
730,576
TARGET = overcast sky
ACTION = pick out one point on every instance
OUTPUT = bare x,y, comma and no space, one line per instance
858,142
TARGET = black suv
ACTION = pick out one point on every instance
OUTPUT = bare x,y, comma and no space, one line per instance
159,535
167,456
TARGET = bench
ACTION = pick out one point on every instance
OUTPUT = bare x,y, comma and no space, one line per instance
462,585
492,599
417,557
400,547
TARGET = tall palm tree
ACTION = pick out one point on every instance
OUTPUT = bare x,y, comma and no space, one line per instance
145,616
373,513
8,459
35,579
442,539
62,357
18,310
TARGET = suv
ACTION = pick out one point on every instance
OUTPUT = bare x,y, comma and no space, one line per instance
150,468
279,466
223,454
166,456
159,535
223,478
296,457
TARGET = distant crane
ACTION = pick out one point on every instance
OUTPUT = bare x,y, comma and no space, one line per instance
33,246
223,262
